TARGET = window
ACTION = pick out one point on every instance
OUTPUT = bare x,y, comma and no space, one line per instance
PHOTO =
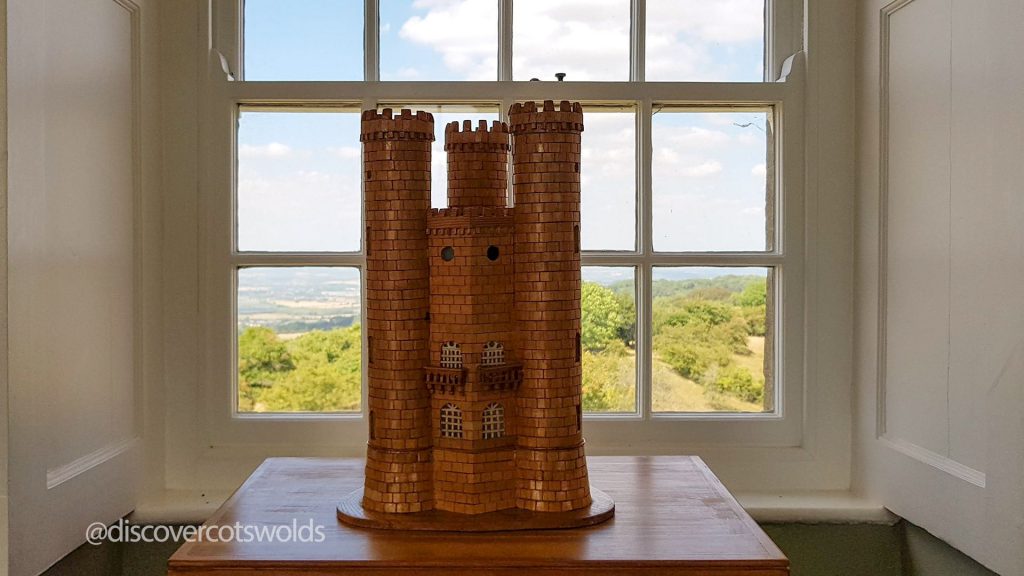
494,354
451,355
494,421
451,421
691,225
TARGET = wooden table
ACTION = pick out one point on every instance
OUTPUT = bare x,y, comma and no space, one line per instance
672,516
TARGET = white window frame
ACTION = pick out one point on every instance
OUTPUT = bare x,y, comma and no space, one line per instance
451,355
643,431
493,421
493,354
450,422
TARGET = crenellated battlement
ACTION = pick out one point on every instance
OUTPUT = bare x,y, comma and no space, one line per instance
528,117
482,139
469,220
406,125
472,211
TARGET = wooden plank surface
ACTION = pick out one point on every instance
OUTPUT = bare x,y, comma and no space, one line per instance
672,516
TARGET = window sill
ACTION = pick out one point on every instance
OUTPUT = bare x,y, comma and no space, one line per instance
829,507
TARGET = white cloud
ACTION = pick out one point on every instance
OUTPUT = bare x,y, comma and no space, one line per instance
751,139
272,150
694,138
459,31
759,170
586,39
345,152
704,169
682,34
589,39
718,21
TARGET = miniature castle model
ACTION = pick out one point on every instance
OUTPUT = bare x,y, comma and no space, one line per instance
473,316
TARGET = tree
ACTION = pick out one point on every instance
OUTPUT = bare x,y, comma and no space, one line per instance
263,359
327,375
609,379
604,317
754,294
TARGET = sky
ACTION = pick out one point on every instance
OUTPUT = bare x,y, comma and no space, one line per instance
299,172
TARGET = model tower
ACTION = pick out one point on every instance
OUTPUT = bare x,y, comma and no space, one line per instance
473,326
550,465
396,190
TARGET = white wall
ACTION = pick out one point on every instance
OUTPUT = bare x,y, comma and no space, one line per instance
83,209
940,269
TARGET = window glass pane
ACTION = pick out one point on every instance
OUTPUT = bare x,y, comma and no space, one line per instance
438,40
303,40
608,339
710,172
299,343
712,340
702,41
585,39
298,181
608,180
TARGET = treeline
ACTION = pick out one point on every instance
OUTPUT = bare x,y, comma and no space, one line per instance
318,371
700,329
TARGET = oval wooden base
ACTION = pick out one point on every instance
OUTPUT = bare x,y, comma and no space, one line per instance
351,511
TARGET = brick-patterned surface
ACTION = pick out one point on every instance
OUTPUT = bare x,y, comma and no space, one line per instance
474,273
396,156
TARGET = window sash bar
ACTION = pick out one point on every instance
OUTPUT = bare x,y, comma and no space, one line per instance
371,40
637,40
504,40
710,259
728,95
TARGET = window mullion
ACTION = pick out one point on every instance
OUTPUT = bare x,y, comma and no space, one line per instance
504,39
371,40
638,40
644,151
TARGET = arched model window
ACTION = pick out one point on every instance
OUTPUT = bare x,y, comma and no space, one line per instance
451,421
494,354
494,421
451,355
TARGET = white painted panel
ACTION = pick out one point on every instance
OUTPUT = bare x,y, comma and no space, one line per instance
917,272
85,287
971,496
986,240
72,272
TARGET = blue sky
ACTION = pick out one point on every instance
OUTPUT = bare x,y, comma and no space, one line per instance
299,172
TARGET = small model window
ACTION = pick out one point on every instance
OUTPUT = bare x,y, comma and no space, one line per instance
494,354
494,421
493,253
447,253
451,421
451,355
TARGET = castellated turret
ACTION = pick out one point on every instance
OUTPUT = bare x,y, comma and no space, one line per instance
551,471
473,315
396,189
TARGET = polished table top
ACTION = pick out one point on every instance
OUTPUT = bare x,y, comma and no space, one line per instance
672,516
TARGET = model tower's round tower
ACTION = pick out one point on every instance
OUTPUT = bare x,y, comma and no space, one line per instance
396,188
550,465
